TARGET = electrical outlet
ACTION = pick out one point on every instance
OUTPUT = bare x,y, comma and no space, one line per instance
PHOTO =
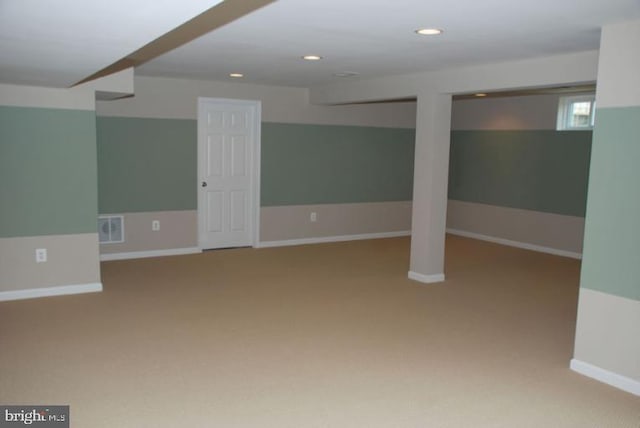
155,225
41,255
313,217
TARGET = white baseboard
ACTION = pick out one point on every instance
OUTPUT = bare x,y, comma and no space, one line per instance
510,243
325,239
152,253
427,279
621,382
62,290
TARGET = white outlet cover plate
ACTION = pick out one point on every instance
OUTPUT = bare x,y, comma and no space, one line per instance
41,255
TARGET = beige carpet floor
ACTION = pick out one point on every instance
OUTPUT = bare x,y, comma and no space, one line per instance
330,335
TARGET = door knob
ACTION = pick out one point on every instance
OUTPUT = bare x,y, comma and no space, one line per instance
204,184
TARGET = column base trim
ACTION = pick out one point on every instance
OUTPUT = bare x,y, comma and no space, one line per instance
610,378
427,279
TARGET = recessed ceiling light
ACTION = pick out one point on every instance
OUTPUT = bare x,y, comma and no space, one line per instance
429,31
236,75
312,57
480,94
346,74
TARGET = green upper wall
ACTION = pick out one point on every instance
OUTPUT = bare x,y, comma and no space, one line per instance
48,175
612,236
328,164
151,164
146,164
539,170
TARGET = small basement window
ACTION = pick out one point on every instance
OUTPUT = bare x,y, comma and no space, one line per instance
576,112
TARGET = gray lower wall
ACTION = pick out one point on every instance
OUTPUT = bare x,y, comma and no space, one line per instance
72,260
607,334
178,230
551,231
333,220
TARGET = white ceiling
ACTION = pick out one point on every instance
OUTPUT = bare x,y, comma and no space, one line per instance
60,42
371,37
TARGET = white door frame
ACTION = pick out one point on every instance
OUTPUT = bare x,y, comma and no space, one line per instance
254,166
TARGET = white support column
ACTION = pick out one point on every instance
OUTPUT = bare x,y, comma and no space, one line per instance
431,176
607,345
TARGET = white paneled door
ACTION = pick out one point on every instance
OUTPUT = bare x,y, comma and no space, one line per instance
228,170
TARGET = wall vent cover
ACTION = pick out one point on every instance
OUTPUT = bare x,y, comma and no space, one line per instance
111,229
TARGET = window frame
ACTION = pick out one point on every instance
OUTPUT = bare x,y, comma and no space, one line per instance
564,113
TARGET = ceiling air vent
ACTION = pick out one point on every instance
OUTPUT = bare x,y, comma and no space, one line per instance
111,229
